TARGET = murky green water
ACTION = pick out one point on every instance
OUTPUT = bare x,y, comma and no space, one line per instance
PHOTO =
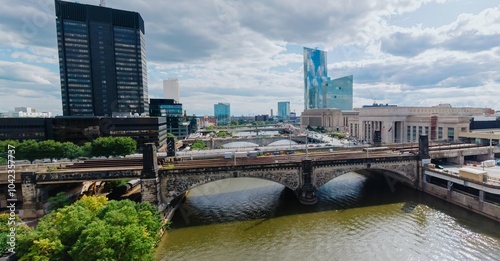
356,219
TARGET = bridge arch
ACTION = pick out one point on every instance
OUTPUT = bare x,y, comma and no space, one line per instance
240,144
402,171
283,142
171,186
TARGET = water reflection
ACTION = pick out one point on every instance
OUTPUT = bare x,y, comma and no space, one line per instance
356,218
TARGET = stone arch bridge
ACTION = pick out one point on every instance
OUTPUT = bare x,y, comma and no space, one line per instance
260,141
304,177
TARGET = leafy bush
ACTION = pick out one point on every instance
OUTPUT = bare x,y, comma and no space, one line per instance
94,229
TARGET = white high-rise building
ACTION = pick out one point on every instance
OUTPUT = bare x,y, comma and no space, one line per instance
171,89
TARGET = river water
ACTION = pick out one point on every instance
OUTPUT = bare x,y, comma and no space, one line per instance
356,218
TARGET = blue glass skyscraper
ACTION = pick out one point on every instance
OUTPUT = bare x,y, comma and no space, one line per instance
283,110
315,73
338,93
222,113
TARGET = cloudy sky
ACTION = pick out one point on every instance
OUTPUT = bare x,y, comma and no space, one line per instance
249,53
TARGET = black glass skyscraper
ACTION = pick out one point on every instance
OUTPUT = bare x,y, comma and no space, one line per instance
102,60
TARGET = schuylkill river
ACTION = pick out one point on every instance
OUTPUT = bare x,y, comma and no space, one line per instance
357,218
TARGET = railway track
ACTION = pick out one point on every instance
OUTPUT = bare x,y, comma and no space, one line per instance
343,154
289,158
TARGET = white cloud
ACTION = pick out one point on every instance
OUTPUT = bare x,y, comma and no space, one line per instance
249,53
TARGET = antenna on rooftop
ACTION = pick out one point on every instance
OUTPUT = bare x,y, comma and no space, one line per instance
103,3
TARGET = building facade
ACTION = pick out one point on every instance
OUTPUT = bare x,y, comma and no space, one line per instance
338,93
315,73
263,117
222,113
26,112
81,129
329,119
171,89
284,110
102,60
396,124
171,110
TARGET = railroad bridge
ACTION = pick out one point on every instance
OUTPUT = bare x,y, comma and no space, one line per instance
161,185
303,177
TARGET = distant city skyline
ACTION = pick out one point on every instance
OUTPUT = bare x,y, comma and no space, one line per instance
408,53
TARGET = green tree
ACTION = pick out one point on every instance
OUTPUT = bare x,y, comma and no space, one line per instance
221,134
198,145
49,149
4,146
5,230
111,146
71,151
94,229
210,127
110,185
28,150
338,135
102,146
123,146
58,201
86,149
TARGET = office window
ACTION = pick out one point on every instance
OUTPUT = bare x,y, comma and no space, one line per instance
451,133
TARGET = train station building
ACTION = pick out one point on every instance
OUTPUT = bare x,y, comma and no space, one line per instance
397,124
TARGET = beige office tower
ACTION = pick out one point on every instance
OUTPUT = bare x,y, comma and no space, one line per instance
171,89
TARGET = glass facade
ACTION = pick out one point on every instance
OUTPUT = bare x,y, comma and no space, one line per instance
284,110
102,60
315,73
338,93
451,133
172,112
222,113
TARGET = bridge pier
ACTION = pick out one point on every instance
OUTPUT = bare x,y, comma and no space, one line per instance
29,194
457,160
150,182
307,193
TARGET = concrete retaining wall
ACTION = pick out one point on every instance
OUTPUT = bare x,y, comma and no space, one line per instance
466,201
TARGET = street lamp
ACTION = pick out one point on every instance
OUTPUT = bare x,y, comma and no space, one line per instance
307,146
186,124
491,148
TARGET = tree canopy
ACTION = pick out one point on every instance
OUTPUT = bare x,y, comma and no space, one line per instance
49,149
94,228
198,145
111,146
222,134
5,227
